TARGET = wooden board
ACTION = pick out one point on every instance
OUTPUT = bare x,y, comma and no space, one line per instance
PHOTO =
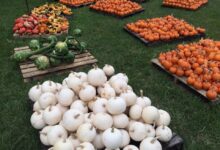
183,80
78,6
159,42
39,35
30,72
127,15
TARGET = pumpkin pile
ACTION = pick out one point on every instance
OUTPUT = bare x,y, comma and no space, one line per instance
46,19
76,2
186,4
97,110
117,7
198,62
163,29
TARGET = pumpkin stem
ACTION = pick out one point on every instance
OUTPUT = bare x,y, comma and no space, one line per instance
43,133
142,93
90,114
50,108
153,140
50,83
38,112
38,85
91,127
154,124
64,140
76,116
95,66
103,105
163,127
113,130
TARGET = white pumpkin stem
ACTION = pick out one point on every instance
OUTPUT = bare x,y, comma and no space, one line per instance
142,93
153,140
103,105
80,146
132,130
113,130
43,133
38,112
38,85
91,127
163,126
90,115
64,140
154,124
73,136
95,66
65,82
50,83
76,116
50,107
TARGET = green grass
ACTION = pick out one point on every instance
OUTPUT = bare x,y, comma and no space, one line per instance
196,121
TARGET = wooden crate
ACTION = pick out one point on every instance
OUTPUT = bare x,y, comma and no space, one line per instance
30,72
160,42
183,80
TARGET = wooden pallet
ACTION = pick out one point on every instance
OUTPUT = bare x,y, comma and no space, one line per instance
30,72
127,15
78,6
183,80
160,42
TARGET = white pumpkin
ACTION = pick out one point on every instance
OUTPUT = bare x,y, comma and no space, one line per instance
88,117
102,121
87,93
35,93
63,144
143,101
75,141
125,138
56,133
62,108
91,104
137,131
129,97
47,99
107,92
82,76
59,86
65,97
150,130
150,143
79,105
52,115
116,105
74,83
85,146
130,147
64,83
96,77
120,121
97,142
72,119
163,133
150,114
43,135
109,70
119,85
135,112
100,105
121,76
49,86
36,106
112,138
86,132
164,118
37,120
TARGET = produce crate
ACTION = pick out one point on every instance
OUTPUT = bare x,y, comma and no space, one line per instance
183,80
30,72
127,15
140,1
77,6
159,42
39,35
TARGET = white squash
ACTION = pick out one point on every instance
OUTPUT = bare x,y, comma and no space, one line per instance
59,86
91,104
52,115
75,141
125,138
63,144
109,70
82,76
36,106
107,92
137,131
129,97
35,93
85,146
163,133
56,133
37,120
74,83
164,118
62,108
121,76
72,119
49,86
43,135
97,142
130,147
102,121
65,97
88,117
96,77
119,85
150,130
47,99
79,105
150,143
120,121
143,101
135,112
87,93
86,132
112,138
116,105
100,105
64,83
150,114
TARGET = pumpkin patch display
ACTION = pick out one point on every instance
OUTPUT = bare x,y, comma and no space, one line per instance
77,114
43,20
117,7
77,3
165,28
198,62
186,4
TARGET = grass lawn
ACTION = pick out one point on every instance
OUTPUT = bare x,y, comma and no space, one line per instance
197,122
